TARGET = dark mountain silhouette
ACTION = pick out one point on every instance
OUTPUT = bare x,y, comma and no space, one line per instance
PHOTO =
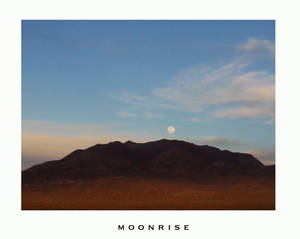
165,159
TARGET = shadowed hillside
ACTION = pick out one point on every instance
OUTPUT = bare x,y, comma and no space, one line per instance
164,174
160,159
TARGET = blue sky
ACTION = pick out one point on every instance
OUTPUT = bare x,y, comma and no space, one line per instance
85,82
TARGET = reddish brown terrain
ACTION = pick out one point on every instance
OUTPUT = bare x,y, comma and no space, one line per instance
164,174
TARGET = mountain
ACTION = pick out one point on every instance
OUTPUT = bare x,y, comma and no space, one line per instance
164,159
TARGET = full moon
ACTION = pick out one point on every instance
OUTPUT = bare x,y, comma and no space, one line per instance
171,129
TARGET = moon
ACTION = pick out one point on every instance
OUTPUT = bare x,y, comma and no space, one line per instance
171,129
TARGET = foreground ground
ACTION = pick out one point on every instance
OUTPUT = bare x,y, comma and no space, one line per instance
123,193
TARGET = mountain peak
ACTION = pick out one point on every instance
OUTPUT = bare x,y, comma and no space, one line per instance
129,142
162,158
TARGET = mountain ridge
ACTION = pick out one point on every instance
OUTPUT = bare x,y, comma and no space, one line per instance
170,159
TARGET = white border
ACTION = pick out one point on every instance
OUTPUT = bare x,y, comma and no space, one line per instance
204,224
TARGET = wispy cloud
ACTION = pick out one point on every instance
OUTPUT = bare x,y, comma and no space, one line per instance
193,120
200,87
145,115
231,89
126,114
145,102
257,45
254,110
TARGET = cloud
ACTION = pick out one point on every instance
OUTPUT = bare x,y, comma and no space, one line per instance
129,97
145,115
193,120
246,111
145,102
257,45
200,87
232,89
126,114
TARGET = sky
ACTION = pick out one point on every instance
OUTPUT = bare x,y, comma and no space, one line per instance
89,82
